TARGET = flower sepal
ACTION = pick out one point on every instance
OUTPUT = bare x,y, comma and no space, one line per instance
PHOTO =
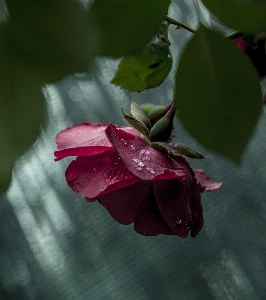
137,112
137,124
177,149
161,131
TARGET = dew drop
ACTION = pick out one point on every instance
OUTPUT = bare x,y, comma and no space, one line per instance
107,159
138,162
139,168
178,221
132,147
188,226
150,170
146,158
124,142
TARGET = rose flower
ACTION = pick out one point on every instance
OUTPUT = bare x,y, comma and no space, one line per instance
157,191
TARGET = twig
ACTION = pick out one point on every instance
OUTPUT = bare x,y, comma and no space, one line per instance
177,23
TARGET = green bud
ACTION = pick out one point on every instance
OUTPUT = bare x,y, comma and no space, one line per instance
146,107
162,129
157,112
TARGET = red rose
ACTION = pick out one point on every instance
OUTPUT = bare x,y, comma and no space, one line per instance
135,182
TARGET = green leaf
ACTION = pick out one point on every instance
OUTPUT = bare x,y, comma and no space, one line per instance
126,26
218,95
246,16
22,108
140,126
139,114
147,69
52,37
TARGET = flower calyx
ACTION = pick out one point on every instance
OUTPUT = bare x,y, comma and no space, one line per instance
159,135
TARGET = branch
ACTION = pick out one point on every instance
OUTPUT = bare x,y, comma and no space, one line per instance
231,35
177,23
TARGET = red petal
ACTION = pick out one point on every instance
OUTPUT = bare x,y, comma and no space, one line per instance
173,198
136,204
196,211
149,221
123,204
206,182
141,159
98,175
82,140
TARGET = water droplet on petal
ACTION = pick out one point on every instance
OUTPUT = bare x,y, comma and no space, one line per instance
107,158
150,170
139,168
132,147
188,226
138,162
124,142
146,158
178,221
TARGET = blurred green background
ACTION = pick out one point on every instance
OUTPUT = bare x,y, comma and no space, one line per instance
55,245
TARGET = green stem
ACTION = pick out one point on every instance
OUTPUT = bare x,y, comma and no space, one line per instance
231,35
177,23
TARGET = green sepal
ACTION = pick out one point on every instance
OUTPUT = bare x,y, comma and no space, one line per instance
162,129
139,114
182,149
177,149
140,126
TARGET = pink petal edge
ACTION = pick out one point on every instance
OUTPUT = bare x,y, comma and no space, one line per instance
206,182
82,140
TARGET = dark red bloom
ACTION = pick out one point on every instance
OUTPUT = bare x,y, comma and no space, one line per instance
136,183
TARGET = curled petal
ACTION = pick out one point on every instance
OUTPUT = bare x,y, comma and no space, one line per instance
141,159
206,182
173,198
98,175
136,204
82,140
